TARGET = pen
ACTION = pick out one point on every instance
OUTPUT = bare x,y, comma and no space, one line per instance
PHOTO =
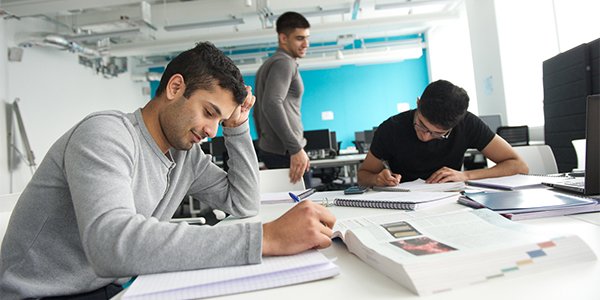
386,165
301,196
294,197
306,193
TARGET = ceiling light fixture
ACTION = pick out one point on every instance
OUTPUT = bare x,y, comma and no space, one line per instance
232,21
409,4
326,12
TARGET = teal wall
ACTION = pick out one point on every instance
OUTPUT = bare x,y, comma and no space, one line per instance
360,97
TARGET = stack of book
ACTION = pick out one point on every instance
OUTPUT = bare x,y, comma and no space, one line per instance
530,203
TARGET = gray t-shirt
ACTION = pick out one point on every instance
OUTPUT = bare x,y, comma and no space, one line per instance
279,89
97,208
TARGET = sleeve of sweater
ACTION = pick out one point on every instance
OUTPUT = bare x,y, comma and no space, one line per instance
277,85
236,191
118,240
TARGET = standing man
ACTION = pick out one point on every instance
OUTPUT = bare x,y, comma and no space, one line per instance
97,209
279,89
430,142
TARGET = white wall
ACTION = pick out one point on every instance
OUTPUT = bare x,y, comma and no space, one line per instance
449,55
577,22
56,92
486,57
510,41
4,188
527,37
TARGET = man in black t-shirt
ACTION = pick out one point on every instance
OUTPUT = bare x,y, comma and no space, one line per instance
430,142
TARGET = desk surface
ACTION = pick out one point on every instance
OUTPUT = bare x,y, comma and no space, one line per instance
339,160
357,280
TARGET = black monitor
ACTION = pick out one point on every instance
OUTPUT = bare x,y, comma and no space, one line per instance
492,121
205,146
334,142
317,139
218,148
359,136
369,136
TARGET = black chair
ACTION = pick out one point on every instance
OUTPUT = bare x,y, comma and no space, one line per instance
514,135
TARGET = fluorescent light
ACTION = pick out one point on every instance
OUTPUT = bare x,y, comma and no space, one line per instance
233,21
103,35
409,4
326,12
402,50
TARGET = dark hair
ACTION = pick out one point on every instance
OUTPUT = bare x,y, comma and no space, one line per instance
202,67
444,104
289,21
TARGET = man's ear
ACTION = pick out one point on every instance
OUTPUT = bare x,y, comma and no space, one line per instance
282,38
175,87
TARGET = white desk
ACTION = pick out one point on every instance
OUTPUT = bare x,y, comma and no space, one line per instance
353,160
357,280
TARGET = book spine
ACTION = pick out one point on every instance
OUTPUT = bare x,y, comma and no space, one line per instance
374,204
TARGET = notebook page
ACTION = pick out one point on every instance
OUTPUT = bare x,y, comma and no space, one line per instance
259,282
419,185
153,283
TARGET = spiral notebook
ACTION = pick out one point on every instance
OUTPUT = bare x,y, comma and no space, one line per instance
395,200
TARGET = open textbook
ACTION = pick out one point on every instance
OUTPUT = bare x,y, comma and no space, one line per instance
274,271
420,185
428,253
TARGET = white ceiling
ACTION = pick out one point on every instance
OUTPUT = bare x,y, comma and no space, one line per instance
137,29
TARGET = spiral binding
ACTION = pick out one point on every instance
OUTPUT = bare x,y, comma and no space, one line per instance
374,204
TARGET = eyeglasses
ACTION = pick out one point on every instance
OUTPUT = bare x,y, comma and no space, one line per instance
419,126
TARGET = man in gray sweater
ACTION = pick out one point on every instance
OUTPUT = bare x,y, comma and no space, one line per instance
279,89
97,210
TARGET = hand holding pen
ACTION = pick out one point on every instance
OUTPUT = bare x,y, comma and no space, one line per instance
386,177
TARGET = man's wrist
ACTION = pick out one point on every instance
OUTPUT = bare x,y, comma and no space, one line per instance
233,123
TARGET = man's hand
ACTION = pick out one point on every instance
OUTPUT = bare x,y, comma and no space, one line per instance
299,164
240,115
446,174
305,226
387,178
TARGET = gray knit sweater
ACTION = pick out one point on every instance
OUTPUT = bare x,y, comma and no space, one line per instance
279,90
97,208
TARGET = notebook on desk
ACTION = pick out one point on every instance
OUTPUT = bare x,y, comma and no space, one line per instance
590,184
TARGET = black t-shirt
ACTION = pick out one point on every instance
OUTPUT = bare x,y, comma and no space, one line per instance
396,141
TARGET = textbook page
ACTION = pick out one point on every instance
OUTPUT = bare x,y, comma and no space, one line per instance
420,185
274,271
432,253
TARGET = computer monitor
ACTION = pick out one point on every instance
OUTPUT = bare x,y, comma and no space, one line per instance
218,147
205,146
333,141
359,136
317,139
369,136
492,121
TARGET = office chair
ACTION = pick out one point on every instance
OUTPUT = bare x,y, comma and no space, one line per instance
579,146
277,180
539,158
514,135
